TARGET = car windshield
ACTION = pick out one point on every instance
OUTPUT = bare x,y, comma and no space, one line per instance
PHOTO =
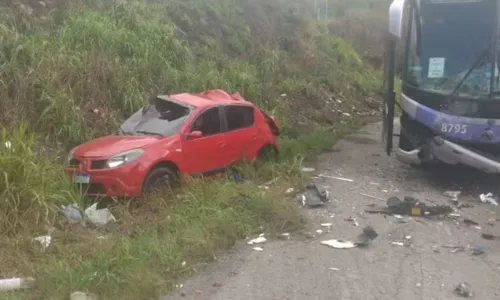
163,117
455,35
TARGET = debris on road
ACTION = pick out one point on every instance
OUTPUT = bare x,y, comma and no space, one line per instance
373,197
470,222
313,196
454,248
367,235
463,289
289,191
339,244
478,251
44,240
285,235
412,207
99,217
354,222
16,283
488,236
8,145
334,269
453,195
258,248
335,177
326,224
319,231
488,198
82,296
259,240
398,244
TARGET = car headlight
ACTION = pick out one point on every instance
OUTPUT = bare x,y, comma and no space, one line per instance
124,158
70,156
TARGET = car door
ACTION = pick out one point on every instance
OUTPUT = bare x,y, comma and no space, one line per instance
207,153
240,131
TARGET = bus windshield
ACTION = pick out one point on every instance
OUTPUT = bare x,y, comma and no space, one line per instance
453,40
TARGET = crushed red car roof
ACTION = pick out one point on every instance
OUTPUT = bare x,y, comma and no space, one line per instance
210,97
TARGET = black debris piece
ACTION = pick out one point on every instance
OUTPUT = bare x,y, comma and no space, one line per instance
368,235
463,289
313,196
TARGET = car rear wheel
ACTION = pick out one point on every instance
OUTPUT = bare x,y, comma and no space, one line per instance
266,153
160,177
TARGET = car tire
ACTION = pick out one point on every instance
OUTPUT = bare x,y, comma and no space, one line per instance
266,153
160,176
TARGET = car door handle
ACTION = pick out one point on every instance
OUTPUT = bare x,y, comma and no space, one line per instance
221,144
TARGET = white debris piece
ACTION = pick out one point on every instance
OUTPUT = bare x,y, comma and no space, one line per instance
8,145
258,248
338,244
15,283
82,296
398,244
326,224
488,198
399,217
335,177
319,231
289,191
453,195
259,240
99,217
44,240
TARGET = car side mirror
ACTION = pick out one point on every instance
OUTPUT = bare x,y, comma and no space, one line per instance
194,135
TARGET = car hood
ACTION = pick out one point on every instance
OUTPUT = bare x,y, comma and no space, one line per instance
110,145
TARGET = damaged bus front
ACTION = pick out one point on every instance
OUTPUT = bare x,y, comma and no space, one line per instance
450,100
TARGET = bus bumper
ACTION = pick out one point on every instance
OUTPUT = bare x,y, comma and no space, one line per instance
450,153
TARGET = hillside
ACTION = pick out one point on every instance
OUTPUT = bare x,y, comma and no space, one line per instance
73,70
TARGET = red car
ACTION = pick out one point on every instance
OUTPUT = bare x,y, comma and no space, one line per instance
174,136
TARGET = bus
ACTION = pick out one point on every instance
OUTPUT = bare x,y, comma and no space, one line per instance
450,93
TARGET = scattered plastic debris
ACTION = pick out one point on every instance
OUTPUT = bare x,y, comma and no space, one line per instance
308,170
373,197
99,217
261,239
453,195
367,236
72,212
488,198
398,244
285,235
314,196
82,296
16,283
8,145
399,217
339,244
319,231
478,251
44,240
289,191
463,289
454,248
334,269
354,222
258,248
411,206
335,177
326,224
492,221
470,222
488,236
183,264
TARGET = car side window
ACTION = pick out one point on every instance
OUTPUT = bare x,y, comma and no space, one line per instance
208,122
239,116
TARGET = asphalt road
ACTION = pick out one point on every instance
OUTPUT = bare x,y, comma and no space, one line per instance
302,268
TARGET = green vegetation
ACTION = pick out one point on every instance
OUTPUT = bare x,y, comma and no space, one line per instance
59,62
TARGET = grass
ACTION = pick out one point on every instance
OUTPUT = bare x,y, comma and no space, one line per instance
59,64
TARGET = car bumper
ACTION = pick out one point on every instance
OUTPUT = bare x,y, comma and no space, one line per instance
450,153
109,183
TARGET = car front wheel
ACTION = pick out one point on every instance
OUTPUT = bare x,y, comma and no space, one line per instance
160,177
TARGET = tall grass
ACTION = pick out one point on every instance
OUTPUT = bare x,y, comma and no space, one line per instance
58,66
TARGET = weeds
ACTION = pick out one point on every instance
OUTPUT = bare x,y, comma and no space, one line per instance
59,66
